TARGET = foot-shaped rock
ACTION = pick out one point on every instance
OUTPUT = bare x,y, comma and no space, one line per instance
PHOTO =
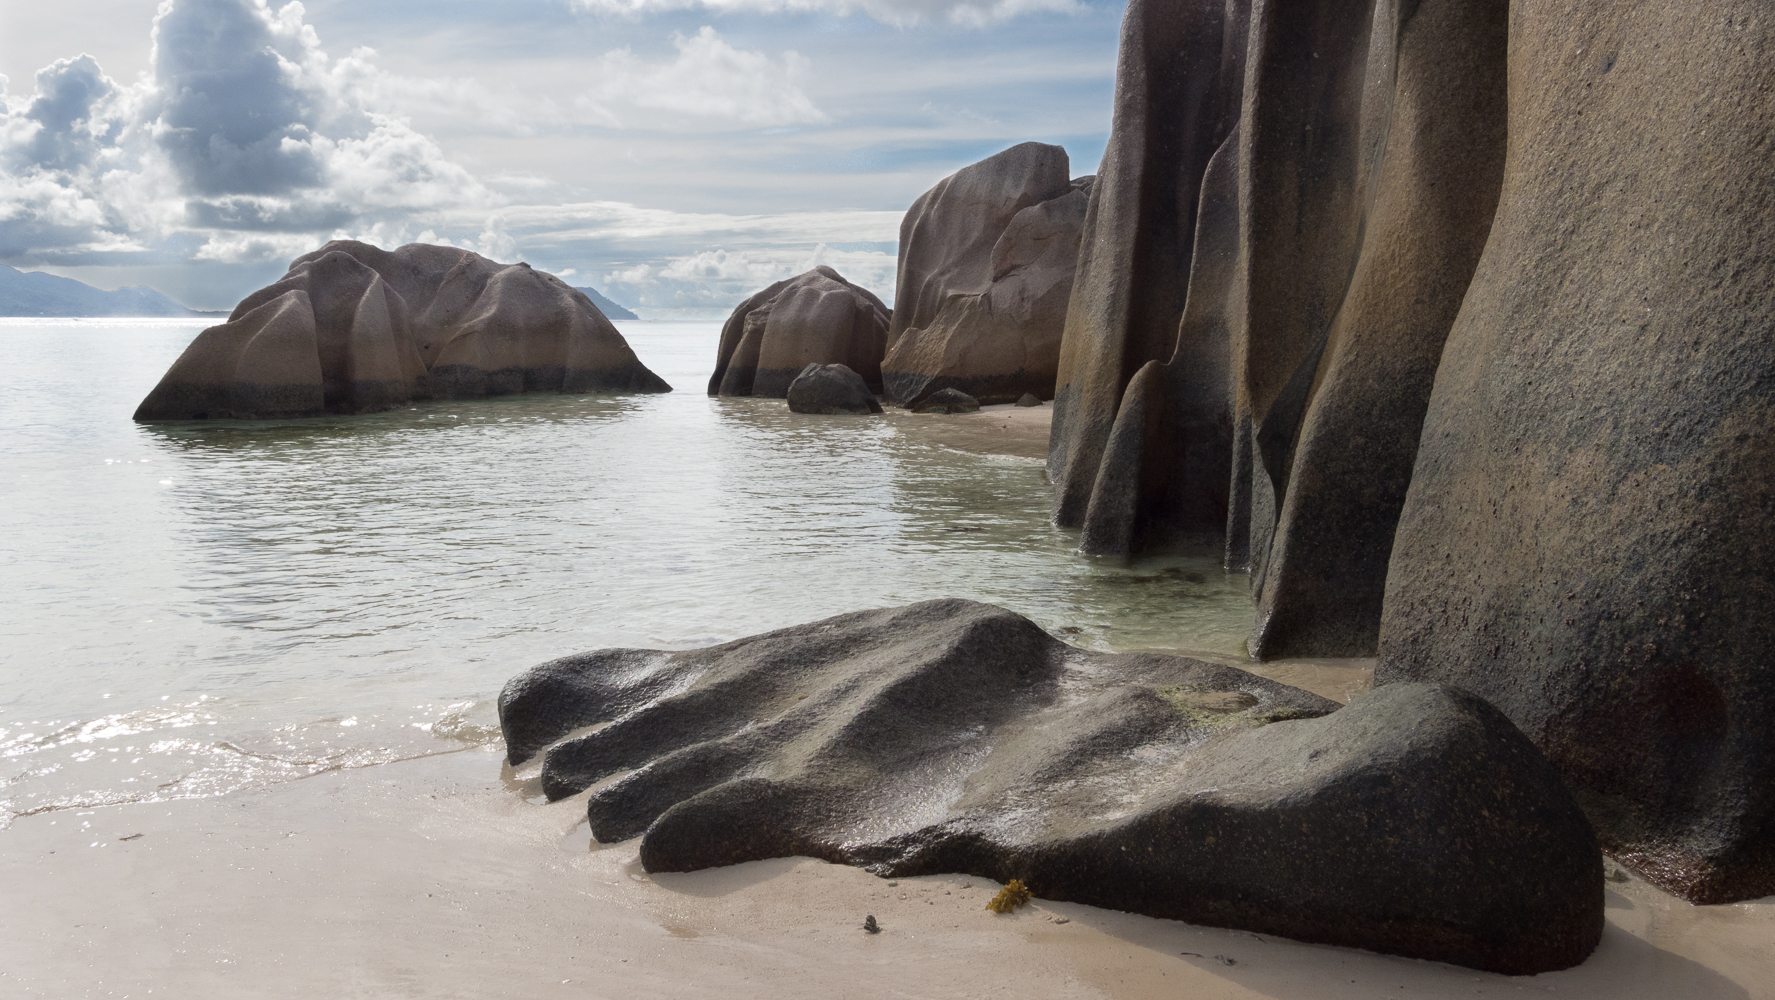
958,737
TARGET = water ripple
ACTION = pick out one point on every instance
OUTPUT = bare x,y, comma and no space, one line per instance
215,602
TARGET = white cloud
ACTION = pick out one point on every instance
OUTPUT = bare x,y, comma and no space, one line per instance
242,128
611,220
717,280
708,79
897,12
67,123
695,167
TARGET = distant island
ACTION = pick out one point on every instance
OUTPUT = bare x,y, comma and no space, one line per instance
33,293
607,307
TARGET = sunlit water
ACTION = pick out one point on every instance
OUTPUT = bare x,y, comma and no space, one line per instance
199,609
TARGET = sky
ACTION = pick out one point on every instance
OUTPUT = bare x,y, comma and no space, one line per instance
676,154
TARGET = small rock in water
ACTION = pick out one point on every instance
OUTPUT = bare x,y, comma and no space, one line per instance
1029,399
1617,875
947,401
831,389
870,925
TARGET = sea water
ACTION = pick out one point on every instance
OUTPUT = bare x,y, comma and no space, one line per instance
198,609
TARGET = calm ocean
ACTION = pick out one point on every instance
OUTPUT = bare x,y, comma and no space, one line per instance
194,610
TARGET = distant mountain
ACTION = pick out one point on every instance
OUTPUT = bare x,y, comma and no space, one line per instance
607,307
33,293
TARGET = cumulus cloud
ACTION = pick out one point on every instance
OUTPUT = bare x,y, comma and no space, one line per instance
64,127
708,79
231,107
896,12
246,104
243,126
245,142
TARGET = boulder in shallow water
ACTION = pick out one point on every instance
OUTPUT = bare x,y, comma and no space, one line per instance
951,736
817,318
831,389
986,266
353,328
947,401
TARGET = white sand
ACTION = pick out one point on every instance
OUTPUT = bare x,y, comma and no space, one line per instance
434,879
1000,430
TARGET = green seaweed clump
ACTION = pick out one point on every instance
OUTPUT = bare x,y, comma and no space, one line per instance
1015,894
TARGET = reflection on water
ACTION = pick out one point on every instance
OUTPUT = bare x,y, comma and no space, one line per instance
206,607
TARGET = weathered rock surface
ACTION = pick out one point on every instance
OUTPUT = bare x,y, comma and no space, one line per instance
1337,227
986,270
817,318
1178,86
956,737
353,328
1589,539
1502,389
947,401
831,389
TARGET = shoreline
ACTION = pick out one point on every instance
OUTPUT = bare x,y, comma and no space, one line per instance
445,876
389,880
1001,429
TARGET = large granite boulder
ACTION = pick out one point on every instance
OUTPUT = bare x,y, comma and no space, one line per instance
1178,86
1363,275
986,268
831,390
817,318
1337,227
1589,538
353,328
957,737
1501,379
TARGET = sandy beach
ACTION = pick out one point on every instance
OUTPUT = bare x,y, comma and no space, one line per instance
436,878
447,876
1004,429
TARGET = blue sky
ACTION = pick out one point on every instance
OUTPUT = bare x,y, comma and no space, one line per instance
676,153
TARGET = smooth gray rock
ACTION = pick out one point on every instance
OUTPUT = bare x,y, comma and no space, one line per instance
353,328
1589,537
947,401
951,736
986,268
1029,400
831,389
816,318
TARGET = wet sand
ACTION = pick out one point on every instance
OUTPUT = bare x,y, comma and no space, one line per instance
1003,429
446,877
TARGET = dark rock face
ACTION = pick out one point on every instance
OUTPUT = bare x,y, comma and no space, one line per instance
831,389
1178,87
986,270
1336,228
1338,386
1498,368
947,401
957,737
817,318
1587,541
353,328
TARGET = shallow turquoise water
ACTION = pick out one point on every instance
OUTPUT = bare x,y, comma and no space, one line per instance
198,609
